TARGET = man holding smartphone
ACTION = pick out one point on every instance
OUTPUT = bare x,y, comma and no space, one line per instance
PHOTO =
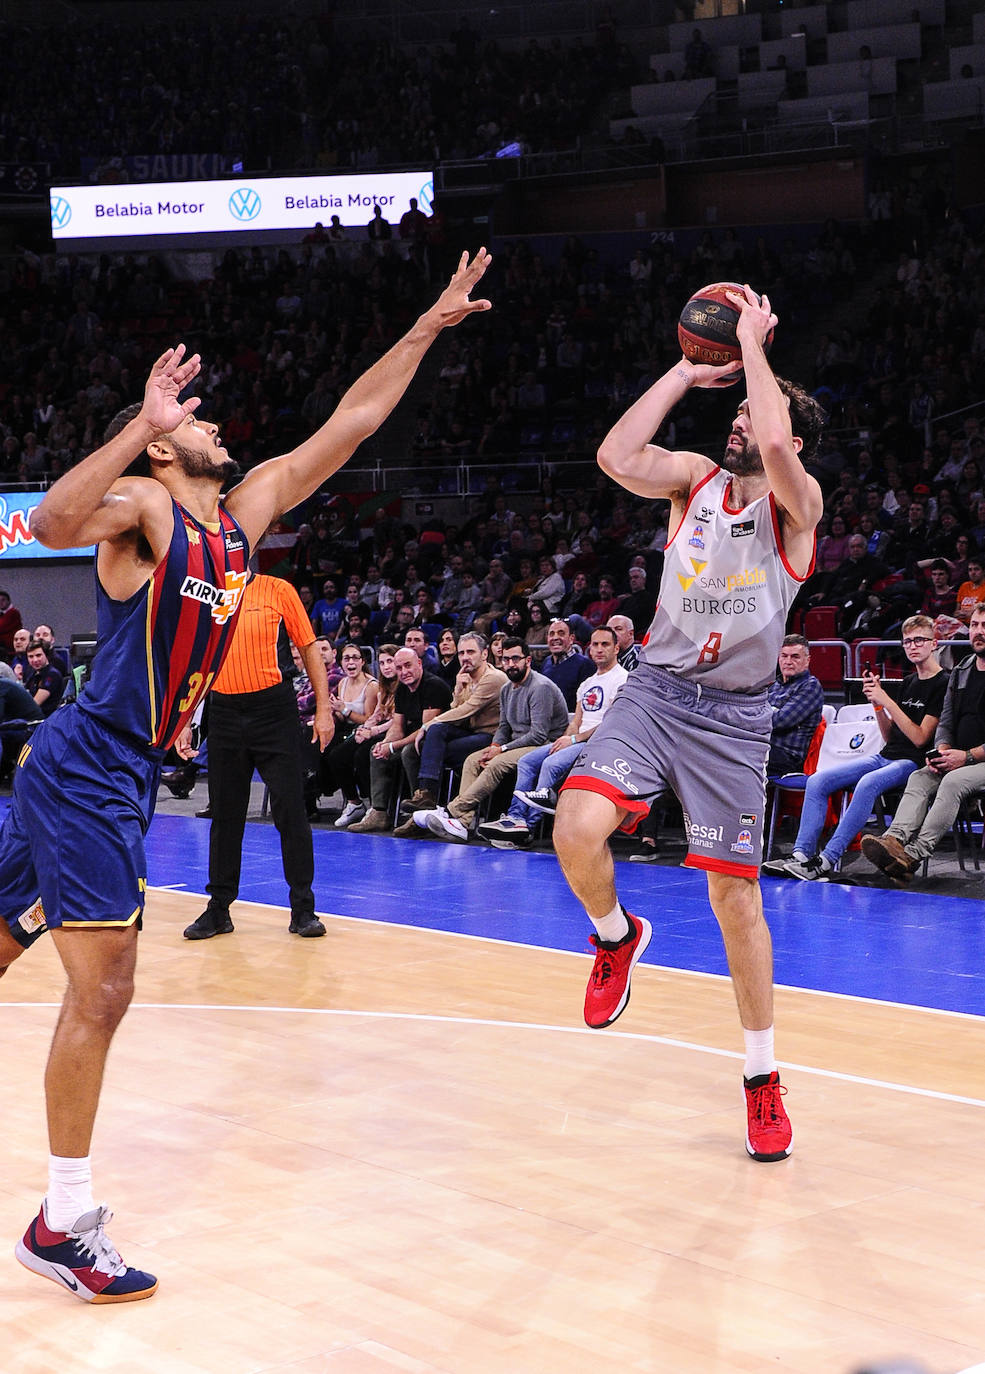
955,770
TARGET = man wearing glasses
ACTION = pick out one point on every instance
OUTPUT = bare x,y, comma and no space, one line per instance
907,723
532,710
955,770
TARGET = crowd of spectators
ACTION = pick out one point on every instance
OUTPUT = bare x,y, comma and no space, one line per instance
574,337
287,91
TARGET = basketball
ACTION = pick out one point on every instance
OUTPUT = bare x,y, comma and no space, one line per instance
706,329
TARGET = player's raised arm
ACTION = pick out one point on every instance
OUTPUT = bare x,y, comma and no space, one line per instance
797,493
80,507
626,454
281,483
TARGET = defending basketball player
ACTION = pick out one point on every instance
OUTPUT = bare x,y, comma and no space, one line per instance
171,567
694,717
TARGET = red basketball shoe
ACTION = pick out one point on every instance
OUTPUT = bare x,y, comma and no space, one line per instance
82,1260
769,1135
608,987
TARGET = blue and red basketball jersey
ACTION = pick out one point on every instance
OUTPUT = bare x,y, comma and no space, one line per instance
159,651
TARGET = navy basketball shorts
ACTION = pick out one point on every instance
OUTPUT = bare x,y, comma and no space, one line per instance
72,844
707,746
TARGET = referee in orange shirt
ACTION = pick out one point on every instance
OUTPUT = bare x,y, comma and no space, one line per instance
254,723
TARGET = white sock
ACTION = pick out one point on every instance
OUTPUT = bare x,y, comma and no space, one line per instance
613,927
759,1052
69,1191
799,855
826,865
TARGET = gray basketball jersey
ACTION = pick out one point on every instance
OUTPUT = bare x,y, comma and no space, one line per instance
725,592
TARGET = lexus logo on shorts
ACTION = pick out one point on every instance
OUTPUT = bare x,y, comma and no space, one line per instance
61,212
245,204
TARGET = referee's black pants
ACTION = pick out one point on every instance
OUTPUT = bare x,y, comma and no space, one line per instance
258,730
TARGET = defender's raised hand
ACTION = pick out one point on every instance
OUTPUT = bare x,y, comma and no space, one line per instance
168,378
453,304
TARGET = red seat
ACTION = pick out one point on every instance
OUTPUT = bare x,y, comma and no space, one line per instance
821,622
828,666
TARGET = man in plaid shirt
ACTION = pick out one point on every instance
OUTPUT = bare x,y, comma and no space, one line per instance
796,698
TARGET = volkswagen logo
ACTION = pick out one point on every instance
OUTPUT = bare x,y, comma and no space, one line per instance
61,212
425,197
244,204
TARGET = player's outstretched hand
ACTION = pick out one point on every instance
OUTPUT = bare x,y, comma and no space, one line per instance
756,317
453,304
168,378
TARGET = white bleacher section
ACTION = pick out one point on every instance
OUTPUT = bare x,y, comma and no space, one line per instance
758,89
813,20
838,89
877,77
742,30
899,40
860,14
794,49
972,55
671,97
954,99
664,62
846,107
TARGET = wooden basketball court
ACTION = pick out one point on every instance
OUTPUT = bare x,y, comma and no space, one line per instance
399,1149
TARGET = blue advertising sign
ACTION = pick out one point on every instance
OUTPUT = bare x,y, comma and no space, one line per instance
16,540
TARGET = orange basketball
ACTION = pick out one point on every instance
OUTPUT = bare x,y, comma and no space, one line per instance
706,329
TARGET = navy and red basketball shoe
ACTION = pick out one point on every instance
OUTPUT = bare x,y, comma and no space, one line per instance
83,1260
608,987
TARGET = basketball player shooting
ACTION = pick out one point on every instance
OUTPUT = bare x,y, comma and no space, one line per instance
693,717
171,567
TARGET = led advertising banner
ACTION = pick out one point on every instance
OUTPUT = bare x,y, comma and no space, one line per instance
171,208
16,539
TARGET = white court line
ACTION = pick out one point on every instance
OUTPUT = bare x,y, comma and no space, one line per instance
428,1018
578,954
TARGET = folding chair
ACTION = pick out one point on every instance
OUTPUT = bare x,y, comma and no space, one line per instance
838,741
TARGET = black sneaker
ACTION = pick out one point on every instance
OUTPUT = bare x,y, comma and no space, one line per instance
306,924
810,870
211,922
180,781
541,799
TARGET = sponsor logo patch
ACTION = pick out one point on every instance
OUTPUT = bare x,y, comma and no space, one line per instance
747,818
223,601
703,836
743,527
33,919
743,843
697,538
620,778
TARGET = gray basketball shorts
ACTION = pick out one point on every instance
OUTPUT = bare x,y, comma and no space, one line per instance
707,746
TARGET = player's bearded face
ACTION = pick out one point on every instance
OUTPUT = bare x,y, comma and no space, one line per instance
194,462
741,454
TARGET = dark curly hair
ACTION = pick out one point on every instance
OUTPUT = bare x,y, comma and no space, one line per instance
807,417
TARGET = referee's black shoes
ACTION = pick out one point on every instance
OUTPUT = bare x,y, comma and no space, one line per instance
306,924
213,921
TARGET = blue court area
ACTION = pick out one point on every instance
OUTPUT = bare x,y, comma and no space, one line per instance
911,947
